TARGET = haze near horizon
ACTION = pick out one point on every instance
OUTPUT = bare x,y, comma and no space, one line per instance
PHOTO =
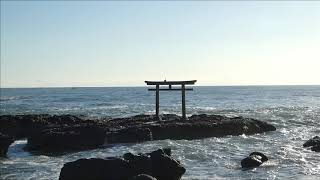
104,43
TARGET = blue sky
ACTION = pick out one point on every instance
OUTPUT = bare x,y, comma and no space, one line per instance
103,43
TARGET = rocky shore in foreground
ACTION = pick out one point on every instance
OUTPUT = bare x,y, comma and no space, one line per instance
156,165
63,133
51,134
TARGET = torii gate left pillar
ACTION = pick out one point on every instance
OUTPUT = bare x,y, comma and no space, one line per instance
170,83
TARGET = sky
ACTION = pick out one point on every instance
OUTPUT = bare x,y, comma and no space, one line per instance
108,43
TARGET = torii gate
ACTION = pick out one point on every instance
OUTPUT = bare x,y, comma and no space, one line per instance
170,83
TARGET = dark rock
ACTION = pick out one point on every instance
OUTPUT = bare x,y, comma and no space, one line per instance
127,130
167,151
21,126
67,139
5,142
255,159
130,135
97,169
154,165
264,158
251,161
141,164
316,148
312,142
129,156
203,126
143,177
159,152
165,167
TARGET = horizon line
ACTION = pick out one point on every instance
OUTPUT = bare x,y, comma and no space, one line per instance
124,86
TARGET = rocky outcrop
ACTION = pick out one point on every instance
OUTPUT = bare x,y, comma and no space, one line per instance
255,159
5,141
22,126
67,139
314,143
52,133
155,165
203,126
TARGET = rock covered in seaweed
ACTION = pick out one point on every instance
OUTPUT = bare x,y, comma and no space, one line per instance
155,165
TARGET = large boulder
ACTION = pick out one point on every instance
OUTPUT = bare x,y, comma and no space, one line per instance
158,163
141,163
97,169
67,139
255,159
314,143
155,165
5,141
164,167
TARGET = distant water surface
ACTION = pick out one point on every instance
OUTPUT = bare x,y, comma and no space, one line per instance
294,110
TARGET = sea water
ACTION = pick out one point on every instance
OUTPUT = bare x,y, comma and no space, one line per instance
294,110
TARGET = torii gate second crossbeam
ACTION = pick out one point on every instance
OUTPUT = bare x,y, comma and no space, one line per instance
170,83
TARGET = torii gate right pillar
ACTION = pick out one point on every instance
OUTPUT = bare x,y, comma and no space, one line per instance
183,101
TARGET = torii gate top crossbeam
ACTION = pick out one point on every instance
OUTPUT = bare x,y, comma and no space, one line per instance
170,82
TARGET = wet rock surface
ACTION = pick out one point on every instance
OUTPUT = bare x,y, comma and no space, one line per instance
130,135
5,141
198,126
314,143
51,133
255,159
316,148
67,139
22,126
155,165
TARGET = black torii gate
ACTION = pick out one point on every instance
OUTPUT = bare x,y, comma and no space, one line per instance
170,83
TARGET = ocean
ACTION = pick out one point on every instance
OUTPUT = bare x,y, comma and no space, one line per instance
294,110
